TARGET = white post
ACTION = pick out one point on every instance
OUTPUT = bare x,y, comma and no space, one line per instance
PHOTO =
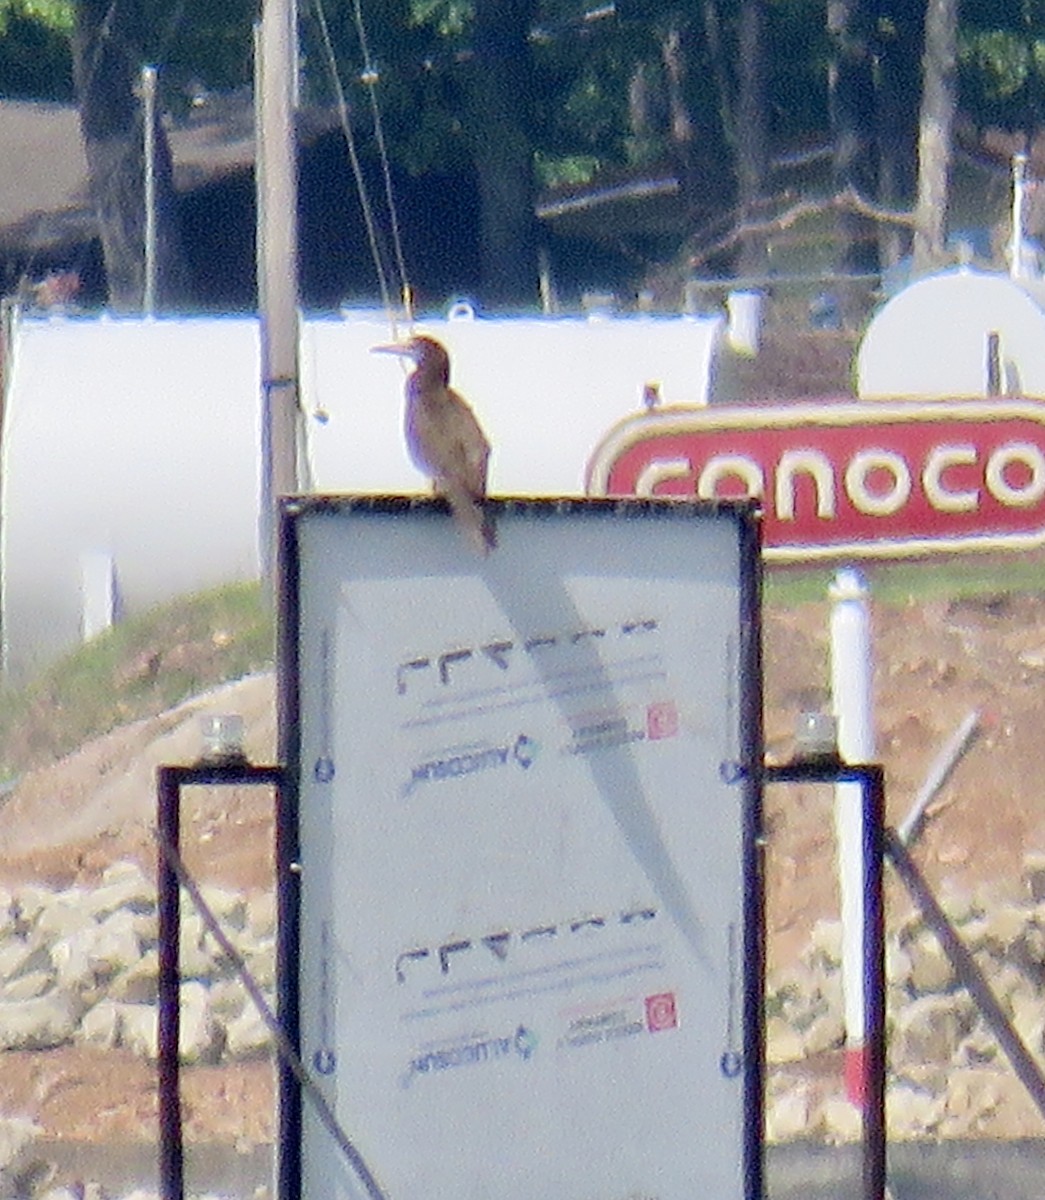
148,85
99,593
853,703
744,325
1019,184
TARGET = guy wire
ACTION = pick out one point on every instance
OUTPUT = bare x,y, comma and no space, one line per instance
372,77
357,169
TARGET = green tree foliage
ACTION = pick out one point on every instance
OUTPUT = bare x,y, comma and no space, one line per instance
1001,48
583,65
196,42
597,86
35,62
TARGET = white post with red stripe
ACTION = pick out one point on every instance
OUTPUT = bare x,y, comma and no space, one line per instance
853,704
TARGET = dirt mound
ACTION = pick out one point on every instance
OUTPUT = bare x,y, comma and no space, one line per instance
66,823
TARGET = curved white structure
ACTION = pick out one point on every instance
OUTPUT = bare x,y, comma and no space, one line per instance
932,340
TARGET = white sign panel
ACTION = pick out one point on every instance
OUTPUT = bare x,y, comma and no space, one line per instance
529,937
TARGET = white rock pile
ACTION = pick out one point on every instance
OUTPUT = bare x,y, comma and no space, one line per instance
948,1077
81,965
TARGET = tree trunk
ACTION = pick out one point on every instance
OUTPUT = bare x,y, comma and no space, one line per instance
936,120
852,111
752,160
106,71
682,134
498,102
899,45
642,121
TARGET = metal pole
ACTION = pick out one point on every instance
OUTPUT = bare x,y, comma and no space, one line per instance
277,263
149,122
170,781
171,877
168,823
874,1127
870,779
939,772
966,968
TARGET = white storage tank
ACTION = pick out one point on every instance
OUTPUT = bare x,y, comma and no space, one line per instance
137,441
131,448
958,333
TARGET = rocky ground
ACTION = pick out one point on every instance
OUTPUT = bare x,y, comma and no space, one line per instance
63,826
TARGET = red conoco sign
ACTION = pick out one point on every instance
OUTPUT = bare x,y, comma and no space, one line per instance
878,479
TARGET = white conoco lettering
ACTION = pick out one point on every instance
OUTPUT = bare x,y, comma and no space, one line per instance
1027,455
722,466
939,496
804,462
1013,475
877,504
658,471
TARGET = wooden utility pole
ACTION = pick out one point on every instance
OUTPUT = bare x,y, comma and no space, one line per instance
277,261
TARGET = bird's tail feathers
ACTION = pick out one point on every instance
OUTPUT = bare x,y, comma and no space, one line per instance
474,522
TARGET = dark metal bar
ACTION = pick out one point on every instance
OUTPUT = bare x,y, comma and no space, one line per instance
871,778
170,781
754,932
874,1130
1023,1063
168,821
288,880
287,1053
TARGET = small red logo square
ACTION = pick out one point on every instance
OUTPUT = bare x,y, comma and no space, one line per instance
661,1012
662,720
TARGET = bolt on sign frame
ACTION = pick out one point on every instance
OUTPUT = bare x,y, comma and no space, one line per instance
522,931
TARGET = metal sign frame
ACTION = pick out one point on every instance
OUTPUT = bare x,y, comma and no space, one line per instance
704,559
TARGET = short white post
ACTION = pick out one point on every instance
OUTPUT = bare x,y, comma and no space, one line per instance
99,593
744,327
853,704
1016,242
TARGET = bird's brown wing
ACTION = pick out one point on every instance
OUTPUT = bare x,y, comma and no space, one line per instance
455,445
475,452
448,441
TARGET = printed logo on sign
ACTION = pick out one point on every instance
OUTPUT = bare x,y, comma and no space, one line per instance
473,1052
662,720
661,1012
470,760
607,731
591,733
596,1028
615,1020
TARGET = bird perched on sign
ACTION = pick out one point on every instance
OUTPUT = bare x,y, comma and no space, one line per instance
444,438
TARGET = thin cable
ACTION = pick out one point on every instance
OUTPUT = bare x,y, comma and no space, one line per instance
371,78
357,170
285,1048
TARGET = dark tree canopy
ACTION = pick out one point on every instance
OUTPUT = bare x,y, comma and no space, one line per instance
523,94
